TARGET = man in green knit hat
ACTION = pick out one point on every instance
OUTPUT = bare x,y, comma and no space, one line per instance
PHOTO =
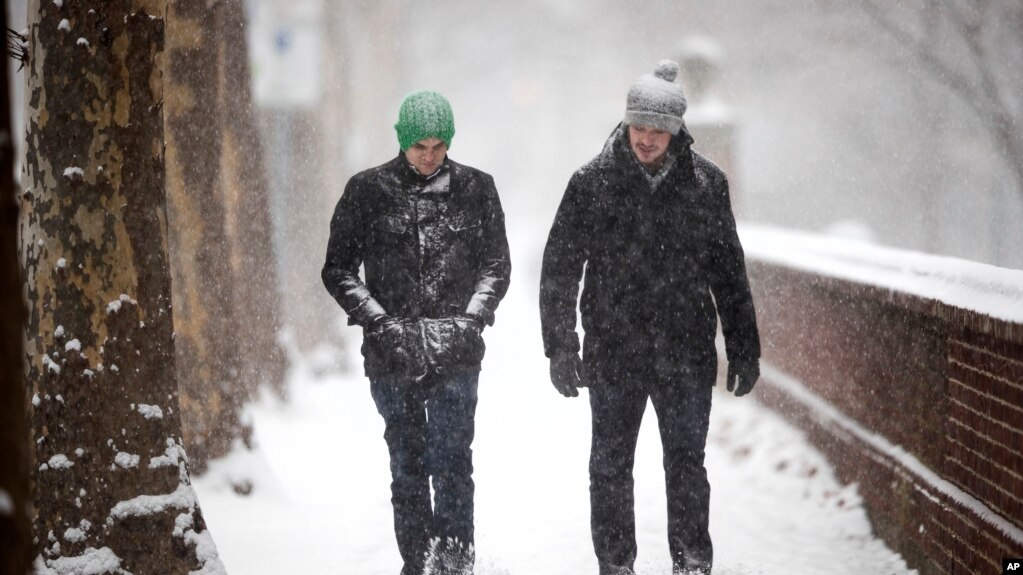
429,234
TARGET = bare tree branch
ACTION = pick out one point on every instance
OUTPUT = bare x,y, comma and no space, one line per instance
980,81
17,47
959,83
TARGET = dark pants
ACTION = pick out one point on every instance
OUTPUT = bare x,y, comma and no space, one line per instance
429,432
682,404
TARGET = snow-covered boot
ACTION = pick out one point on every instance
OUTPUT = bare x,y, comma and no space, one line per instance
449,557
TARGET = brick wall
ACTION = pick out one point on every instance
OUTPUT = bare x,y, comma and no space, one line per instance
919,402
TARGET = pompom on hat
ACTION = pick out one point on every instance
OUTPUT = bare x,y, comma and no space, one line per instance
423,115
655,100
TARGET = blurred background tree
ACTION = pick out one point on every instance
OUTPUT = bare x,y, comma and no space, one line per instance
206,331
973,50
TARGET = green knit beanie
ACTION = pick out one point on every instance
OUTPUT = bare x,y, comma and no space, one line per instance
423,115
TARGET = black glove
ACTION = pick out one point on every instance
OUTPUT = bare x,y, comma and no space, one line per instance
451,342
395,341
742,375
566,373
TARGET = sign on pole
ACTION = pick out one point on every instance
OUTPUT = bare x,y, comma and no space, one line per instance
286,40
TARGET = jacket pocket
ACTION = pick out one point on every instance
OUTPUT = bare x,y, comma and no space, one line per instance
388,233
462,240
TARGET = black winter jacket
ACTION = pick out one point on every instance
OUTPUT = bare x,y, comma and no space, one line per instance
653,259
430,253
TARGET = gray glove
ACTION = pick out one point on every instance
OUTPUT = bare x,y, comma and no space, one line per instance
567,373
742,375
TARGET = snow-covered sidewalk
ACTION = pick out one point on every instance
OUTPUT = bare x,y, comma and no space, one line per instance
321,502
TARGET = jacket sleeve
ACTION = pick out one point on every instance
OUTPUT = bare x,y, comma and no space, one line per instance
494,273
345,252
564,259
729,283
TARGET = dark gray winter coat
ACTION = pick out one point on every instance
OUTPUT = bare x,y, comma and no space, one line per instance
655,262
436,265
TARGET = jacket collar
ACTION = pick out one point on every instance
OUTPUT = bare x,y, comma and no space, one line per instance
618,153
440,181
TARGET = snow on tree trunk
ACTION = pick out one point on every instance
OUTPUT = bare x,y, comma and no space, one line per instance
206,333
112,489
249,229
15,498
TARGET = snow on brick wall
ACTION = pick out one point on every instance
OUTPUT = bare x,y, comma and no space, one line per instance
908,371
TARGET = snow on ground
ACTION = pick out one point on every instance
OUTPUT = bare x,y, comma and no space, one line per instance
321,497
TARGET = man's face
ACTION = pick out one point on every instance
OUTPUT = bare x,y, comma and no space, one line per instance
649,144
427,155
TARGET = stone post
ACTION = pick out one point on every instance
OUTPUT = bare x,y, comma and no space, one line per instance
710,120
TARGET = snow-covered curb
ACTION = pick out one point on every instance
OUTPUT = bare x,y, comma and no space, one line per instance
887,453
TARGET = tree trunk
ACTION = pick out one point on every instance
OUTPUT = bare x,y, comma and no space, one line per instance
111,479
206,333
247,202
15,497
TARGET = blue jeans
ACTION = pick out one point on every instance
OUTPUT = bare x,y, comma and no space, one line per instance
682,403
429,431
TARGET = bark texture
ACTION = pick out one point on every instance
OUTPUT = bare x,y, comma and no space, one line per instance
15,497
110,472
247,203
206,333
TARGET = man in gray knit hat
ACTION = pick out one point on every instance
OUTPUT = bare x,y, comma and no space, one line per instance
648,226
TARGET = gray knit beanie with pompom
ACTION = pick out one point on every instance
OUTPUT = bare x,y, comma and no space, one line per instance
655,100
